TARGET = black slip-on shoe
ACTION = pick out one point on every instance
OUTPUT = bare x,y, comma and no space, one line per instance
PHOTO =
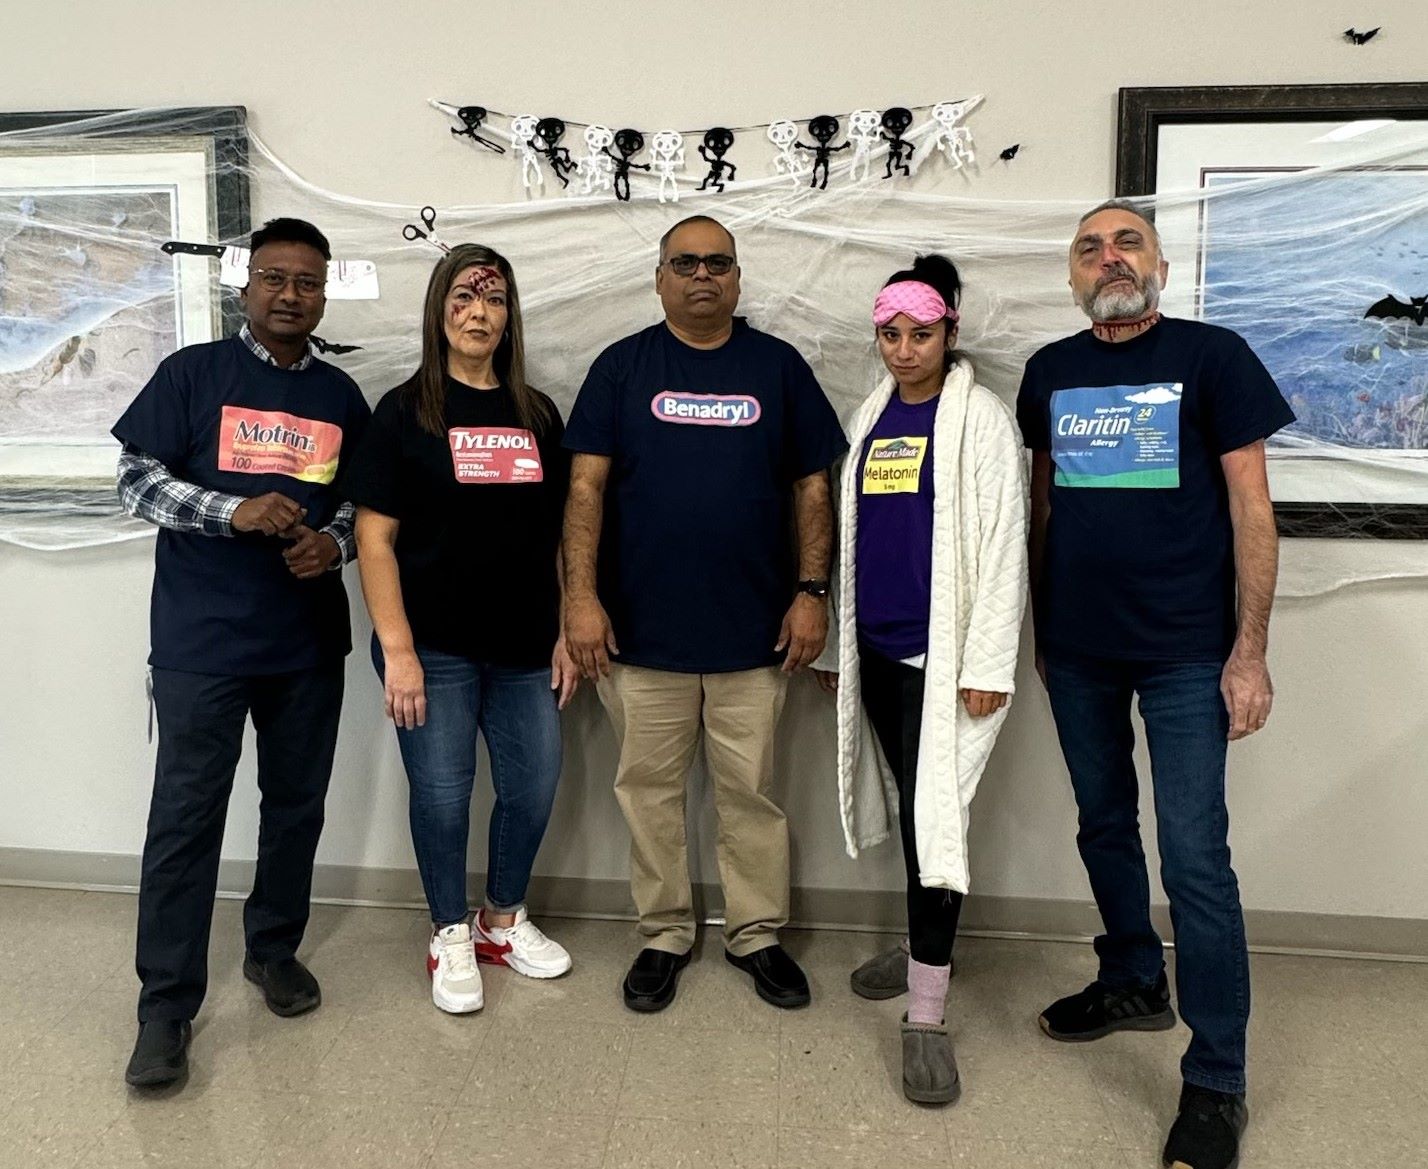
288,986
777,977
652,979
1100,1009
160,1053
1206,1134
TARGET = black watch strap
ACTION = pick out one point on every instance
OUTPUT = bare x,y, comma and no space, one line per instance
814,588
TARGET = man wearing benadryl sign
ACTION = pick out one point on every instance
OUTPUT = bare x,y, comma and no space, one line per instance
1153,562
232,449
697,441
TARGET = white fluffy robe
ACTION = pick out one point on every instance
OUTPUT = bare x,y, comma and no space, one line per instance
979,587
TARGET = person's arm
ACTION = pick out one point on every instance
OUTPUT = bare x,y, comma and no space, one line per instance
588,634
150,491
404,682
1041,472
1245,684
805,625
988,677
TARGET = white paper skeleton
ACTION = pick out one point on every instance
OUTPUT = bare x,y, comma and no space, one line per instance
863,133
667,150
953,139
523,128
596,168
783,134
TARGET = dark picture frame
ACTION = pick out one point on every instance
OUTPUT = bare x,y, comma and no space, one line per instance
1143,112
225,128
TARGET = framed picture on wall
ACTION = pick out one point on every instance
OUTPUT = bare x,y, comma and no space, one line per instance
1310,240
88,303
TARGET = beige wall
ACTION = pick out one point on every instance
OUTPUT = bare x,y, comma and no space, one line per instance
1329,804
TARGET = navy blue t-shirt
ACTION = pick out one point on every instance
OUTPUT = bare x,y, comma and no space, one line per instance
1139,560
219,417
697,565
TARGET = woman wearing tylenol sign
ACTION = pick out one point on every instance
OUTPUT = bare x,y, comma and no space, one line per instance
460,483
931,586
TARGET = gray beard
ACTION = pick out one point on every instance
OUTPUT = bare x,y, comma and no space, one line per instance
1113,304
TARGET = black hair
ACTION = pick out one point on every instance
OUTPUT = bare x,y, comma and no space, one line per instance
667,236
291,231
938,271
941,273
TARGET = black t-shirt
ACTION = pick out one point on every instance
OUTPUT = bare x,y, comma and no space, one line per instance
480,511
696,559
221,418
1139,559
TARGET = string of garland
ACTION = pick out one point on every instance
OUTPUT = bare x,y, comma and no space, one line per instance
537,144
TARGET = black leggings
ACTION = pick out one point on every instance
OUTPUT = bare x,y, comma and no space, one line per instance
892,696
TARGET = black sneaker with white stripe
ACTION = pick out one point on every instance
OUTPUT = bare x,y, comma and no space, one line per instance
1100,1009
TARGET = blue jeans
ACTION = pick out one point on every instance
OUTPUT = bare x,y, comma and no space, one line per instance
1186,727
515,709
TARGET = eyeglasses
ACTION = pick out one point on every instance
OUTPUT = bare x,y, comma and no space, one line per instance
687,264
275,280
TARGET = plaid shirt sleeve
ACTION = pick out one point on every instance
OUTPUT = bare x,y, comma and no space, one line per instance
342,529
148,490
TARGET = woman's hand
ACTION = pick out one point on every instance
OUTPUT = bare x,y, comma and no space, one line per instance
980,703
564,673
827,680
405,689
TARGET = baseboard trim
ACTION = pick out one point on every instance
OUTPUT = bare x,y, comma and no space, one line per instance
868,910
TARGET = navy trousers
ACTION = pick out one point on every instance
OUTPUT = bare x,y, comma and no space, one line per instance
201,719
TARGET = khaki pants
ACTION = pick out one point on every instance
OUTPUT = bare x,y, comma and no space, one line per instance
658,715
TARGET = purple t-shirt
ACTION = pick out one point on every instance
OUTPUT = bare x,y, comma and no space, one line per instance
895,530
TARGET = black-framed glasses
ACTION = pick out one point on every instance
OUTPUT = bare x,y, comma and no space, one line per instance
275,280
687,263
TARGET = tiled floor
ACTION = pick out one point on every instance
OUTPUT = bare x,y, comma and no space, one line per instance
561,1075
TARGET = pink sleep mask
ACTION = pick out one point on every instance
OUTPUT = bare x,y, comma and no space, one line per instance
921,302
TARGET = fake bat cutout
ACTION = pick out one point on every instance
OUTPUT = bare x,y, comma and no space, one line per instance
330,346
1010,152
1390,308
346,279
1354,37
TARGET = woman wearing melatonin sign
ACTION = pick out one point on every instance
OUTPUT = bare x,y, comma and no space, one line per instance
460,482
931,587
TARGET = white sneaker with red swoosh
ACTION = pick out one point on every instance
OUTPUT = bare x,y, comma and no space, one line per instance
455,977
521,946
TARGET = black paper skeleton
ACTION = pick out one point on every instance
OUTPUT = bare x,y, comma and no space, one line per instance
824,128
716,144
895,124
629,143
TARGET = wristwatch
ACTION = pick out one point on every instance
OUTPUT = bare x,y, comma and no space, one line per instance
814,588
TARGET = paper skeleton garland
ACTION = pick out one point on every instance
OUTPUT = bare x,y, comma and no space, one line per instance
668,150
523,132
863,134
596,168
716,144
784,134
823,129
950,137
629,143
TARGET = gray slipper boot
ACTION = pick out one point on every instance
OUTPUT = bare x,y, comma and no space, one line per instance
883,976
929,1068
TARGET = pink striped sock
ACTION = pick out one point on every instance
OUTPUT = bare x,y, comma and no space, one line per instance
927,992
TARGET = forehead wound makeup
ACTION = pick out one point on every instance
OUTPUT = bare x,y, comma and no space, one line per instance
921,302
478,280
